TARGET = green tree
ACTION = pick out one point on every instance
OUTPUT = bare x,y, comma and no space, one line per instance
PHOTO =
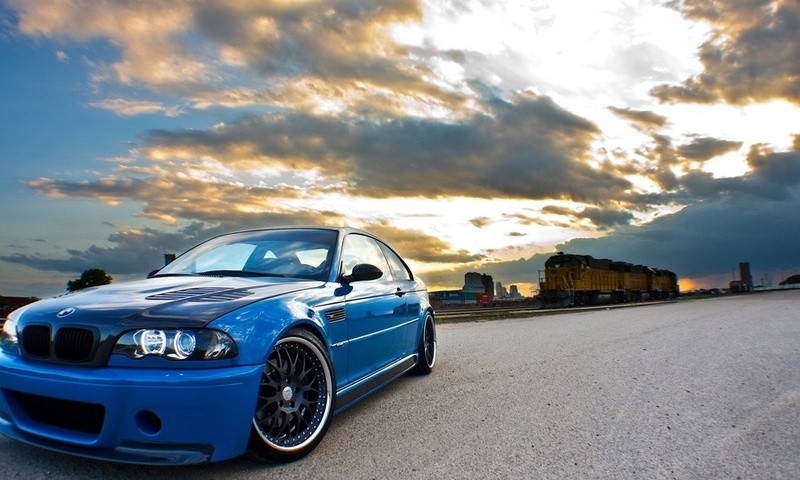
793,280
89,278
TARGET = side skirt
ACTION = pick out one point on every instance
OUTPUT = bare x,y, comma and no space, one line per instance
354,392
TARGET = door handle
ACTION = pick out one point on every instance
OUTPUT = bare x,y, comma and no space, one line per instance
400,292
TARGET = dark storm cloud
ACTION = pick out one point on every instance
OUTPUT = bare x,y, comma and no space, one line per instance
704,239
776,174
773,176
753,54
604,218
661,156
527,147
523,147
132,252
643,118
707,238
730,220
706,148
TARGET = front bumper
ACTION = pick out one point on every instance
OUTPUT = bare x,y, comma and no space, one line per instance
133,415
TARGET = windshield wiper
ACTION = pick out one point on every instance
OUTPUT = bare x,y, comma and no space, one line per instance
238,273
159,275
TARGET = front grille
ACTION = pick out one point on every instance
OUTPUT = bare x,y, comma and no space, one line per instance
74,344
71,344
36,340
67,414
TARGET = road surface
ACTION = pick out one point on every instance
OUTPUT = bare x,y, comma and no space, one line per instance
689,389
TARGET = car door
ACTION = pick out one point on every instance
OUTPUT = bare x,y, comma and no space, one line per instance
409,291
377,334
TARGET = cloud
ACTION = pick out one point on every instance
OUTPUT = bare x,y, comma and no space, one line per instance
348,109
131,252
706,148
537,150
317,102
170,198
480,222
419,246
137,251
605,218
128,108
340,51
643,118
752,55
707,239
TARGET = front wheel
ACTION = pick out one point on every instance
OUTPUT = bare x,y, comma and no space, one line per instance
295,400
426,350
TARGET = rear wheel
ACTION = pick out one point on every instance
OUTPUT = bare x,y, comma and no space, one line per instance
295,400
426,351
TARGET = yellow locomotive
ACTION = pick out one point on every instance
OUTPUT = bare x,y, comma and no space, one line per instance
584,280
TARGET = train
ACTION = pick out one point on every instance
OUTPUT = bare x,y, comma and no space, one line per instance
577,280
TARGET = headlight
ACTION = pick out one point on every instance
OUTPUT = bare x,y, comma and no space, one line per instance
177,344
8,337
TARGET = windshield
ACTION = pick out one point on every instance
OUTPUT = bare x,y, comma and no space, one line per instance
300,253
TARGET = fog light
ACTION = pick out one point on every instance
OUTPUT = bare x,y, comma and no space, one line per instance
148,422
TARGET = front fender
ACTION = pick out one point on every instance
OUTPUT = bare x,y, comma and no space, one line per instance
256,328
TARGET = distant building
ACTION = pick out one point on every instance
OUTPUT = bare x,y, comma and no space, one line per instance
9,304
500,291
488,285
475,282
745,282
744,276
514,292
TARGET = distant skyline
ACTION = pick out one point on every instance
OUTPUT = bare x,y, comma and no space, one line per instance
471,135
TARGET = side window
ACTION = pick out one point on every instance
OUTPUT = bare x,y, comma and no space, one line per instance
399,270
360,249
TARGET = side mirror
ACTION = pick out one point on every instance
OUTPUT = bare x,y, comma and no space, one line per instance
363,272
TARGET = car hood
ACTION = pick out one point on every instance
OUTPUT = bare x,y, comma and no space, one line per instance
158,302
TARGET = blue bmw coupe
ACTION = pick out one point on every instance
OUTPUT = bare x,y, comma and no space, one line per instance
249,343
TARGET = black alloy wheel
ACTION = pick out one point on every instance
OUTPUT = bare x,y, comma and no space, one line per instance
426,350
295,400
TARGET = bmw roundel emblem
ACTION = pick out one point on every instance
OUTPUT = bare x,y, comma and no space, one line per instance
66,312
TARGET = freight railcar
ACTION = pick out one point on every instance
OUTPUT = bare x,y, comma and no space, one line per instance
584,280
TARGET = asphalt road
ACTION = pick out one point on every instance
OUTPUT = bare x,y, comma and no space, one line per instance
690,389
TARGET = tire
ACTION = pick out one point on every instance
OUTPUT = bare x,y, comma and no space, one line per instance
426,350
295,400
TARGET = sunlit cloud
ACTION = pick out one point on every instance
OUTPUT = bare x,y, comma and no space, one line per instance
752,55
468,134
128,108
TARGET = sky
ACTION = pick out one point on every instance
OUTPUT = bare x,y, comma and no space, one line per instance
471,135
